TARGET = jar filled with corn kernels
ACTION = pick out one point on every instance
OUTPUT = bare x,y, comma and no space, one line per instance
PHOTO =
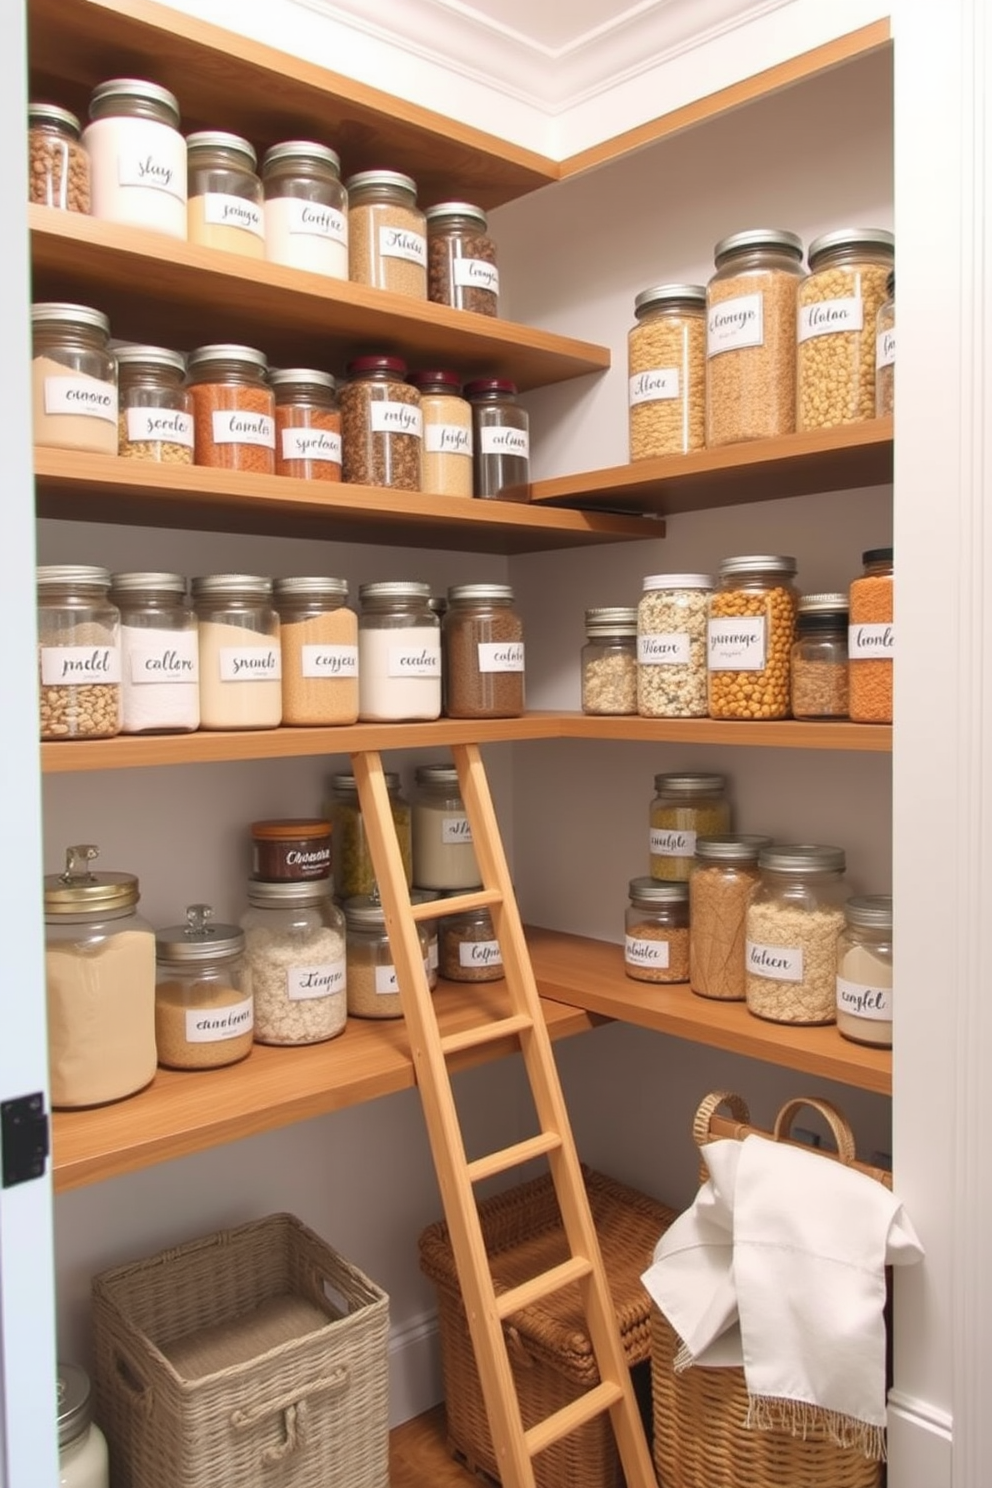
666,371
155,421
871,639
750,631
838,311
885,351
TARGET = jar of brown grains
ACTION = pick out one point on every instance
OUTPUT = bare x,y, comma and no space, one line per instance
793,920
381,425
308,424
656,931
58,166
233,408
749,637
156,408
724,874
79,659
461,258
224,204
666,371
373,985
483,640
204,1012
469,949
819,657
838,311
318,635
387,233
609,661
447,452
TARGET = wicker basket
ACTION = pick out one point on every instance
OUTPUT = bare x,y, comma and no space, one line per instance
252,1358
549,1349
700,1440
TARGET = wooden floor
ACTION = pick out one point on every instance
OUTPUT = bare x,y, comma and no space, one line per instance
418,1456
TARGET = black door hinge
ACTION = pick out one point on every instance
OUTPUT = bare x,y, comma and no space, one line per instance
24,1138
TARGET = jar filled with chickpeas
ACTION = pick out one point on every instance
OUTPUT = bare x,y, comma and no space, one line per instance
671,646
885,351
838,312
666,371
752,619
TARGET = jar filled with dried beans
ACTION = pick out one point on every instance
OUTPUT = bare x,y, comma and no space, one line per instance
58,166
318,636
233,408
885,351
871,639
79,658
666,371
73,378
501,431
609,661
685,807
671,646
156,408
749,637
461,258
483,639
839,303
387,233
308,424
306,208
656,931
204,1012
793,919
819,657
224,205
724,874
381,425
447,453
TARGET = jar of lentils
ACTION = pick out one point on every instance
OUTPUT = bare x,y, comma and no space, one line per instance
156,408
656,931
666,371
73,378
79,659
387,233
871,639
724,875
686,807
447,452
819,657
483,643
609,661
461,258
501,440
58,166
234,424
885,351
793,920
749,637
306,208
381,425
295,954
308,424
671,646
224,205
839,303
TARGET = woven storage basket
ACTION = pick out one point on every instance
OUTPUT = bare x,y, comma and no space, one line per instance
700,1440
252,1358
549,1349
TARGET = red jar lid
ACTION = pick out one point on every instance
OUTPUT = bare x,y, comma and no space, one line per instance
489,385
283,829
376,364
432,379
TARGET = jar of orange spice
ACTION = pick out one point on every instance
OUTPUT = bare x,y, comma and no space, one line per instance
233,408
308,424
870,640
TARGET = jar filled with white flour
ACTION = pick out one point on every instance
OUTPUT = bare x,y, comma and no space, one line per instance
137,156
240,656
399,653
864,971
160,661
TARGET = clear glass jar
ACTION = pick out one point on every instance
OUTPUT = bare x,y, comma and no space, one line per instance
750,631
686,806
204,1011
295,954
724,874
399,653
470,951
156,408
447,450
871,639
291,850
308,424
58,166
224,206
318,635
864,971
354,872
793,919
306,208
671,646
373,984
100,980
83,1457
751,336
425,896
885,351
233,408
240,658
73,379
387,233
443,855
483,640
137,156
381,425
819,657
609,661
160,656
79,658
839,303
666,371
656,931
501,439
461,258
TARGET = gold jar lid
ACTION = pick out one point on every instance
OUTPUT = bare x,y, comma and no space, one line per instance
77,891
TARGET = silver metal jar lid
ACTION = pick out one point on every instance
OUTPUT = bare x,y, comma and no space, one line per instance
226,351
670,294
467,593
286,376
345,781
51,113
59,575
394,589
851,237
199,939
758,237
740,847
75,1402
253,584
219,139
611,620
802,858
131,354
687,783
822,604
381,178
869,911
56,312
363,913
287,892
133,583
301,150
658,891
77,891
437,775
308,586
138,88
678,581
456,209
757,563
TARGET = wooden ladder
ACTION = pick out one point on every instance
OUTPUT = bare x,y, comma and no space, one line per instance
515,1446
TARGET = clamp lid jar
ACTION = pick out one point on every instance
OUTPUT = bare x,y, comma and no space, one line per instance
666,371
461,258
864,971
204,1012
387,233
137,156
294,944
656,931
79,658
224,207
483,639
686,806
58,166
73,378
306,208
793,920
609,661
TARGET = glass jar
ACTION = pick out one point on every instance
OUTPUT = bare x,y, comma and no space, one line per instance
387,233
156,409
224,207
295,953
501,440
671,646
686,806
399,653
58,166
870,639
609,661
461,258
291,850
430,896
483,653
373,985
724,874
137,156
354,872
381,425
656,931
864,971
819,657
73,379
240,660
204,1012
839,303
100,981
308,424
318,636
793,920
751,336
470,951
447,450
885,351
666,371
443,855
160,657
306,208
233,408
750,632
79,659
83,1457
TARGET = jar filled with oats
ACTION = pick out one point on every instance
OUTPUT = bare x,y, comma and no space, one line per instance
666,371
686,806
155,421
838,313
885,351
656,931
609,661
749,637
819,657
295,955
671,646
387,233
79,659
793,920
723,877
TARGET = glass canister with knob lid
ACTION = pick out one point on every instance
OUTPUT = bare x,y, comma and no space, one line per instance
83,1456
864,971
295,955
793,920
204,1013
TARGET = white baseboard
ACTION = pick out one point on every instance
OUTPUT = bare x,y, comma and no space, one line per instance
919,1443
414,1367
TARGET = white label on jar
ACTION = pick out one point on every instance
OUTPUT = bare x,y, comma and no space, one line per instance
210,1025
669,842
313,219
223,210
329,661
163,425
829,316
399,242
396,418
81,395
447,439
179,661
654,386
455,829
502,440
649,953
250,664
501,656
778,963
870,642
416,661
386,981
666,648
479,953
311,444
736,323
863,1001
475,273
150,171
737,645
433,956
234,426
306,982
80,665
885,348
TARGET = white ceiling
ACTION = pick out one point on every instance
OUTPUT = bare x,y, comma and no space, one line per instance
554,27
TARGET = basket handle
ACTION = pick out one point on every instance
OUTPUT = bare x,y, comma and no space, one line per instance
839,1128
137,1391
293,1407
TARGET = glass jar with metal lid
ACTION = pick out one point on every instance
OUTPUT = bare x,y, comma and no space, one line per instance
308,423
137,156
443,855
73,378
79,659
233,408
156,408
686,806
100,980
750,631
656,931
447,452
160,659
501,438
387,233
373,984
839,303
483,639
318,635
671,646
885,351
353,871
609,661
288,849
461,258
666,371
204,1011
381,425
751,336
58,166
793,919
819,657
306,208
470,951
224,207
871,639
83,1457
724,874
399,652
295,954
240,658
425,896
864,971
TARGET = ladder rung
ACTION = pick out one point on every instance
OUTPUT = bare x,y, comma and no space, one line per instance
545,1285
573,1415
513,1157
436,909
486,1033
